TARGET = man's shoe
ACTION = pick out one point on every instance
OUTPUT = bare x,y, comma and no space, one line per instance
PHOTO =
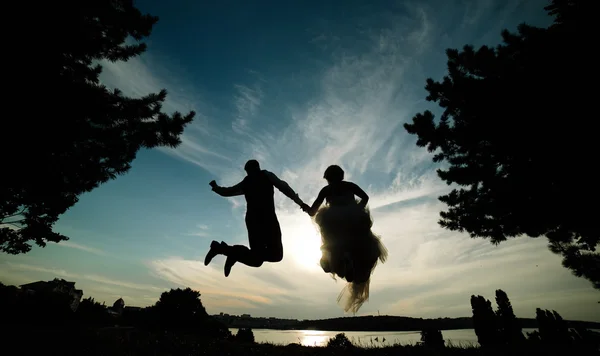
228,264
215,249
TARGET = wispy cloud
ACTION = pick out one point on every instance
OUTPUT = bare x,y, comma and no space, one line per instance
247,102
144,75
89,277
81,247
201,230
33,268
198,234
128,285
102,288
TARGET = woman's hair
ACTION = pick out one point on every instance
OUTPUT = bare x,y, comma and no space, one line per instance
334,173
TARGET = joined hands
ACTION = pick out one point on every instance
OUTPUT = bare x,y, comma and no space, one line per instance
305,208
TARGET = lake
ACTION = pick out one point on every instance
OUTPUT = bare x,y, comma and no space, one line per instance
360,338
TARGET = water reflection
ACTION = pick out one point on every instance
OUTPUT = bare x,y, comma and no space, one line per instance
463,337
313,337
359,338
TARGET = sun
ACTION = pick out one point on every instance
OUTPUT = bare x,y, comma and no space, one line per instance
305,245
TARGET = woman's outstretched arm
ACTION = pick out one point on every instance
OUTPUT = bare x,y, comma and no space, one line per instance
364,197
317,204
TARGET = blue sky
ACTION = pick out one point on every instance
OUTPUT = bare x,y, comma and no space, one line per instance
297,85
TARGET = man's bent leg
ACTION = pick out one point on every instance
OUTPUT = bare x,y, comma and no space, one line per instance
264,236
252,257
273,252
275,245
271,245
240,253
245,255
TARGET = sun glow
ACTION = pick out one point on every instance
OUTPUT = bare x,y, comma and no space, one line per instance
305,245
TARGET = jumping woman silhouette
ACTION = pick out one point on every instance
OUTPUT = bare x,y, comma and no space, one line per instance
350,250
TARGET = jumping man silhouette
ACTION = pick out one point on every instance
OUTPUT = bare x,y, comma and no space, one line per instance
264,232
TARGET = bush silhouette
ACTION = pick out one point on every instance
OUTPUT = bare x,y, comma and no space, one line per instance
245,335
182,310
93,313
432,338
179,309
340,341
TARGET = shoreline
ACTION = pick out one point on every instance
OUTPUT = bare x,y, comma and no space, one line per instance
376,323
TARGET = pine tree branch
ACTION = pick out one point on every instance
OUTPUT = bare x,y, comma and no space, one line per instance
15,214
13,222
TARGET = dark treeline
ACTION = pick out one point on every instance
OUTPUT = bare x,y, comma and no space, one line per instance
500,331
178,310
179,324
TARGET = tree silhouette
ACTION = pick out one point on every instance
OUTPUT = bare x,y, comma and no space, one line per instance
180,308
552,327
80,134
484,322
517,138
90,311
509,328
245,335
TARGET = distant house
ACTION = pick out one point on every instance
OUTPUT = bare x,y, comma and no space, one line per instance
56,286
117,308
130,308
119,304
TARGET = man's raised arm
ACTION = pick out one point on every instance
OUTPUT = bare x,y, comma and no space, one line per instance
227,191
284,188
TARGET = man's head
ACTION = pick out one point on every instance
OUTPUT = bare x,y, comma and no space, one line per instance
252,166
